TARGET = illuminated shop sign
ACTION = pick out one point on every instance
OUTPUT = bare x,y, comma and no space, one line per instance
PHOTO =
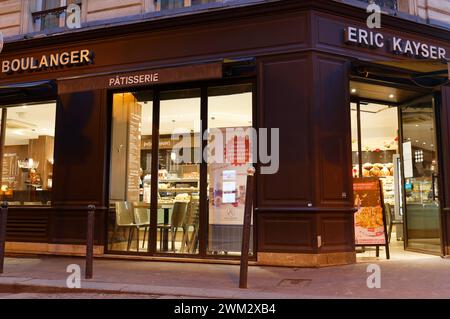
44,62
394,44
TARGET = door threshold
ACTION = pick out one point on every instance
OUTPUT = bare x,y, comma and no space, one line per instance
425,252
176,259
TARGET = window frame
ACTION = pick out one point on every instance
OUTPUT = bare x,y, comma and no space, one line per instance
203,222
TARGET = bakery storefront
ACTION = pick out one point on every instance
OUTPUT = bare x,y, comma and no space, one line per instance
89,117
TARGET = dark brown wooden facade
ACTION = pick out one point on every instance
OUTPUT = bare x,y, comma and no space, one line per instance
304,213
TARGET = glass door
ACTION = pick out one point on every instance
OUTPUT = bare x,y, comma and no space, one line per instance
420,176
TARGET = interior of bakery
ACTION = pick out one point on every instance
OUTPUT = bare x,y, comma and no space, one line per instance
27,153
394,140
179,152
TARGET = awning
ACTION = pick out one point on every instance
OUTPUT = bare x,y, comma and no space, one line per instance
27,92
422,73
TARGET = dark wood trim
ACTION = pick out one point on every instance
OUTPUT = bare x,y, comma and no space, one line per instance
204,204
443,231
2,139
153,230
229,14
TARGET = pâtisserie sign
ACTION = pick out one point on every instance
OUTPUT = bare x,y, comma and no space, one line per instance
50,61
394,44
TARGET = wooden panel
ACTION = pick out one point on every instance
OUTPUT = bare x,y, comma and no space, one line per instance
332,132
27,225
445,144
336,231
292,232
80,149
181,45
285,104
69,227
444,167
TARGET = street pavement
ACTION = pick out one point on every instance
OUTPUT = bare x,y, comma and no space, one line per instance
406,275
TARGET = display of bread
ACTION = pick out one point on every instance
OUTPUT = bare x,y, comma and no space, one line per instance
377,169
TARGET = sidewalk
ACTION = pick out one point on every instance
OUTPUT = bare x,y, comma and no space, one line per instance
416,276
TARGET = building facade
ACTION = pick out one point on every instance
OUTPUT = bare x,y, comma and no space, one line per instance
88,117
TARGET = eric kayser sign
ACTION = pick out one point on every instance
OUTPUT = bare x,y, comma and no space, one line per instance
394,44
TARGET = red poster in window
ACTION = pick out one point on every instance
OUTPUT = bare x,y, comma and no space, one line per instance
369,221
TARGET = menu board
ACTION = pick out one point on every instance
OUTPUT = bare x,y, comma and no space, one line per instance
369,221
10,169
134,152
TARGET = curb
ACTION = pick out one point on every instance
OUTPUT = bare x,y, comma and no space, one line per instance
18,285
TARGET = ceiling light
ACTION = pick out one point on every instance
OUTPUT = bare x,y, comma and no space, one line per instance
353,90
391,96
417,125
424,143
417,141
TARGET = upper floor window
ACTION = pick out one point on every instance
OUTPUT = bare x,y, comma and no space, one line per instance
50,14
176,4
384,4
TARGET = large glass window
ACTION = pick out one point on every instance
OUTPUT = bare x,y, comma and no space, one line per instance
160,194
179,171
130,178
27,162
229,127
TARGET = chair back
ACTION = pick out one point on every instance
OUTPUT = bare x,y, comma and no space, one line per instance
141,214
192,215
124,214
178,213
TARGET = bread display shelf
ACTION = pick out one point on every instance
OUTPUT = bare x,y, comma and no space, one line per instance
179,180
179,190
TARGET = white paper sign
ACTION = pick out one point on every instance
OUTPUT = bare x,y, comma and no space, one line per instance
407,160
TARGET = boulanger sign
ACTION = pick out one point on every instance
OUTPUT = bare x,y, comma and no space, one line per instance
394,44
44,62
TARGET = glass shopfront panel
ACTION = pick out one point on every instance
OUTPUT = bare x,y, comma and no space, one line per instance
27,163
173,119
421,173
130,178
229,126
179,159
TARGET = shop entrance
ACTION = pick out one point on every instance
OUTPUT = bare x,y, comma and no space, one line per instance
394,139
397,144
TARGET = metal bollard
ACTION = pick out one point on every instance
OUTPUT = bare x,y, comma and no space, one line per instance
246,229
90,242
3,221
